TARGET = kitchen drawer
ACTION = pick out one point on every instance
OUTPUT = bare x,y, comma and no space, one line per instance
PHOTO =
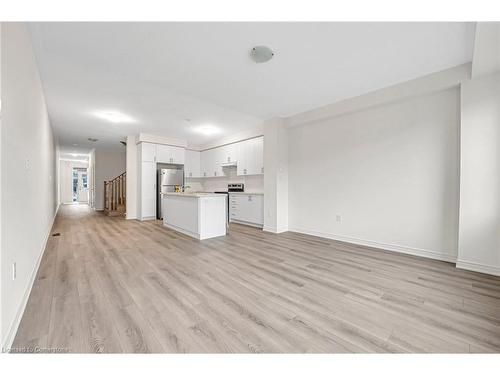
247,208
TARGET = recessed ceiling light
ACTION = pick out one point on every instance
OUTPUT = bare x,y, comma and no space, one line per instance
207,130
113,116
261,54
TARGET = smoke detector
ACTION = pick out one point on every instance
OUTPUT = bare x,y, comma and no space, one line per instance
261,54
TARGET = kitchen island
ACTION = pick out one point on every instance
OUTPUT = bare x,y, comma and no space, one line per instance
199,215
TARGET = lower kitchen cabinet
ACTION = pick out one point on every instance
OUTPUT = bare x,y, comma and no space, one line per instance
247,209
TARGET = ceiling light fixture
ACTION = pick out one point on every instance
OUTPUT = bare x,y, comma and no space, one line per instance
113,116
207,130
261,54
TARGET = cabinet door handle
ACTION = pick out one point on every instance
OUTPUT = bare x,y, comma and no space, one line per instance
215,173
262,170
229,159
190,174
244,171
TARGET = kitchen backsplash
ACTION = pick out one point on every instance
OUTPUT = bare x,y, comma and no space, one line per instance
252,183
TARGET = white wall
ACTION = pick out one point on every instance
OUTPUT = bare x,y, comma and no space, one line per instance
479,228
28,193
276,176
390,172
66,179
252,132
486,58
131,189
1,252
110,162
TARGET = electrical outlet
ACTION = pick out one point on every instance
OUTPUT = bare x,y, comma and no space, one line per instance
14,271
27,164
338,218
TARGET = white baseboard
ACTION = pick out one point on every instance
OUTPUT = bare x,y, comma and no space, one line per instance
273,229
478,267
245,223
11,333
447,257
269,229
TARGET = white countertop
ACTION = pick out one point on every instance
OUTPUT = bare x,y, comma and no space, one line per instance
193,195
246,192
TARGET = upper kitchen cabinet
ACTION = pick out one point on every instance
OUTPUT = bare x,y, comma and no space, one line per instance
147,151
228,154
251,157
211,165
170,154
206,163
258,155
192,167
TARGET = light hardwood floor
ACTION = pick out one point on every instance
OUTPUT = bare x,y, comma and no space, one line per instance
111,285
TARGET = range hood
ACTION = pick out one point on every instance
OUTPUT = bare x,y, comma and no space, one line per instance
229,164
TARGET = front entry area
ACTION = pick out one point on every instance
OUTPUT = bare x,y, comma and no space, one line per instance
107,284
80,186
74,181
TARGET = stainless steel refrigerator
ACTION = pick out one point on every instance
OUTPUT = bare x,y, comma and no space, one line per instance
168,179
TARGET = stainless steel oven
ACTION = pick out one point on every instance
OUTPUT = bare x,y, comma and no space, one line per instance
231,188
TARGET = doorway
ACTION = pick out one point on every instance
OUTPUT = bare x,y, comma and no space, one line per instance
80,186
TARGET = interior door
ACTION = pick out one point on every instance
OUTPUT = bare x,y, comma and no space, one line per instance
83,187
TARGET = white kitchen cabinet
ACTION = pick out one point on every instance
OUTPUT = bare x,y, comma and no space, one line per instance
148,190
170,154
251,157
178,155
243,149
248,155
210,163
257,156
206,163
147,151
192,167
247,209
228,153
216,170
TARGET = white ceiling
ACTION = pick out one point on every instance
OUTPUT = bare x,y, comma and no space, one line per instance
73,153
163,73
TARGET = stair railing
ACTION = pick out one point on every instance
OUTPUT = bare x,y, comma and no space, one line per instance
115,192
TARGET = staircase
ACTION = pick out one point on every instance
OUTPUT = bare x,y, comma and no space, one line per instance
114,196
